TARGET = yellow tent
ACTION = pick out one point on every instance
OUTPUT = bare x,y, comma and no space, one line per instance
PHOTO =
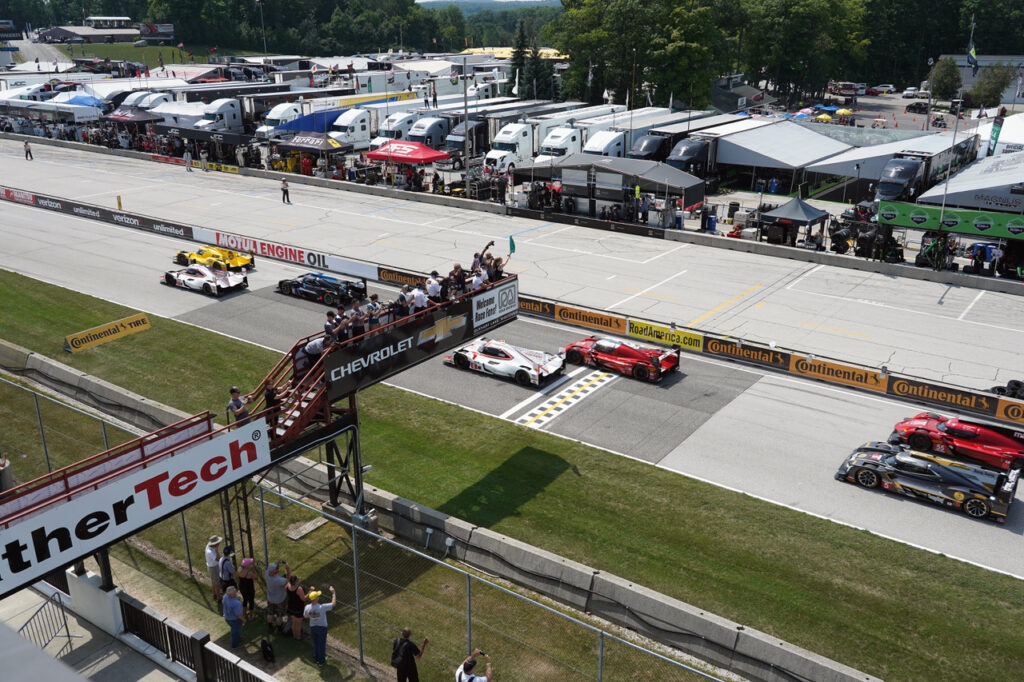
824,118
844,112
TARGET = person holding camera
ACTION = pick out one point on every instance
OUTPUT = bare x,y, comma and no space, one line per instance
239,406
464,673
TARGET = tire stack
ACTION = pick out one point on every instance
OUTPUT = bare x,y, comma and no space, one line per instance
1014,388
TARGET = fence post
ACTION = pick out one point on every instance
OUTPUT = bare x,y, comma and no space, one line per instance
184,533
198,642
263,523
103,428
42,432
600,656
355,580
469,614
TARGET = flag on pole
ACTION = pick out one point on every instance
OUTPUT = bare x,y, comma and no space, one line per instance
671,96
972,58
515,88
590,73
511,245
649,103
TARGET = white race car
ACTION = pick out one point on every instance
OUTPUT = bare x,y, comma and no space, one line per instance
204,279
522,365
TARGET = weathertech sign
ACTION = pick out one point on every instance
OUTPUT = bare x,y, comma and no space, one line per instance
942,395
71,530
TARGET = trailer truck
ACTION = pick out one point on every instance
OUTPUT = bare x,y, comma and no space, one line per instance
616,140
915,170
397,125
696,154
570,139
312,114
517,143
658,142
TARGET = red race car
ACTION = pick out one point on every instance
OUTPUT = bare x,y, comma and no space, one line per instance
996,446
649,364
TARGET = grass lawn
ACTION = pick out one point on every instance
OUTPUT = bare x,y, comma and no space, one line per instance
883,607
149,55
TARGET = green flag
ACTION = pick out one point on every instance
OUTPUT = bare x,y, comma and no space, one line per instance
511,245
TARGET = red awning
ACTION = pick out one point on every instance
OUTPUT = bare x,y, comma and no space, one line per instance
407,152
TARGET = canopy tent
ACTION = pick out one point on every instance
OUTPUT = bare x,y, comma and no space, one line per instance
201,135
1011,135
652,176
407,152
992,184
784,145
85,101
314,144
873,159
796,212
132,115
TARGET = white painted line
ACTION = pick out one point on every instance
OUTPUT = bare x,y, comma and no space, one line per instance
971,304
801,277
548,234
547,389
610,277
550,410
640,293
665,253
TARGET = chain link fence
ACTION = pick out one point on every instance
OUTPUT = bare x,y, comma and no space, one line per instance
382,585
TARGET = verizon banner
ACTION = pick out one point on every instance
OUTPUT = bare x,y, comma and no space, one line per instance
74,529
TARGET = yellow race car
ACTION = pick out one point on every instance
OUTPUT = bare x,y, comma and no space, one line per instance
217,258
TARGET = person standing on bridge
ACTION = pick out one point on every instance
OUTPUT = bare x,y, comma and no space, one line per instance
285,199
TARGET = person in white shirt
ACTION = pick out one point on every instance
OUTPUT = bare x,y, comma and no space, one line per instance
419,299
213,564
464,673
317,615
478,280
434,287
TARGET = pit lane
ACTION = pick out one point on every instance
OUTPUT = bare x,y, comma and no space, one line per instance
770,436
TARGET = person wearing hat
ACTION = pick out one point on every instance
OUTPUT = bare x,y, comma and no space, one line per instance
227,568
239,406
277,594
317,615
213,564
247,576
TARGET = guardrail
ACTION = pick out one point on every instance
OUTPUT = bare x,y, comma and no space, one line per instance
667,333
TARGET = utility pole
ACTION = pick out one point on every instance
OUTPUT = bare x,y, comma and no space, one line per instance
263,27
465,127
631,104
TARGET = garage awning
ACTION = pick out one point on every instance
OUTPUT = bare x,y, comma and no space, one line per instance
314,144
132,115
796,212
407,152
201,135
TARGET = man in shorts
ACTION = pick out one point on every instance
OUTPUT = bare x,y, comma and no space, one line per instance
213,563
276,595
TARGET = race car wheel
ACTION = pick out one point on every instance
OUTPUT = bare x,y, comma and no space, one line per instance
181,259
286,289
217,291
976,508
920,441
574,356
208,290
641,372
169,279
867,478
331,299
522,378
461,361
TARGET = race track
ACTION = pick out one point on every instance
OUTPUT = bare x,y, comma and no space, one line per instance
772,436
922,328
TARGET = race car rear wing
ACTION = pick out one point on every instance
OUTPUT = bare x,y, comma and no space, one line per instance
1007,490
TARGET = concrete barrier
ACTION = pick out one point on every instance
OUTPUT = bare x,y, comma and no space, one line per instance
754,649
567,581
411,521
13,357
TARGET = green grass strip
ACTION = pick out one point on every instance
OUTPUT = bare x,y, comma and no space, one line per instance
882,607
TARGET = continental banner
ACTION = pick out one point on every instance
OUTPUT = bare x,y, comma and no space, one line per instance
534,306
1010,410
988,224
946,396
588,318
392,276
838,374
755,354
106,332
687,340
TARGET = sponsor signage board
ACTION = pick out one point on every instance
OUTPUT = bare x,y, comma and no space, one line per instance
988,224
534,306
54,537
494,306
118,329
19,196
946,396
835,373
685,339
758,355
316,260
352,367
400,277
588,318
1010,410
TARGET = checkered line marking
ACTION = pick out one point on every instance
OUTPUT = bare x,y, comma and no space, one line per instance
558,404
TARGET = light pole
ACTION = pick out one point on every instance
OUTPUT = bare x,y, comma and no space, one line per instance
263,27
931,84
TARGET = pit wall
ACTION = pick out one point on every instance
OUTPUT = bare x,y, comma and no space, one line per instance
665,333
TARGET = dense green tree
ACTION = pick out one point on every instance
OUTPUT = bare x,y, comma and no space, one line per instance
992,81
946,79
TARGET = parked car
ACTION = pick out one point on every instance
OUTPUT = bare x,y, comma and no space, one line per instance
916,108
910,93
885,88
923,94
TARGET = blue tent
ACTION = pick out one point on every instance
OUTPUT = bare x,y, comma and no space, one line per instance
317,122
84,101
829,108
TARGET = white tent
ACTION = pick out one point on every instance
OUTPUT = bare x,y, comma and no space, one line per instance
873,159
784,145
985,185
1011,137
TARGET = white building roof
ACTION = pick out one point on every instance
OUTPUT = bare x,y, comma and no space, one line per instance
983,185
782,145
873,159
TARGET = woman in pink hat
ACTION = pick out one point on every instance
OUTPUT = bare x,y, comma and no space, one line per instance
247,576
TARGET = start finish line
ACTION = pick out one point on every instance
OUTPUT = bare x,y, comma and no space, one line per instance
68,527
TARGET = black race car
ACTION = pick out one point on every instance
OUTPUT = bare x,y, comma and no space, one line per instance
326,289
979,491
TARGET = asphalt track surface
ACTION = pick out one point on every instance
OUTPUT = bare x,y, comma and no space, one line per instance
960,335
771,436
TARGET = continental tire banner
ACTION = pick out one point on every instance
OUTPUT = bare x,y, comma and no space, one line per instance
687,340
537,307
70,530
946,396
106,332
352,367
838,374
755,354
399,277
588,318
1010,410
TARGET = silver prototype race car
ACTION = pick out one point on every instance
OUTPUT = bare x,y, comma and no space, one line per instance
501,359
205,279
